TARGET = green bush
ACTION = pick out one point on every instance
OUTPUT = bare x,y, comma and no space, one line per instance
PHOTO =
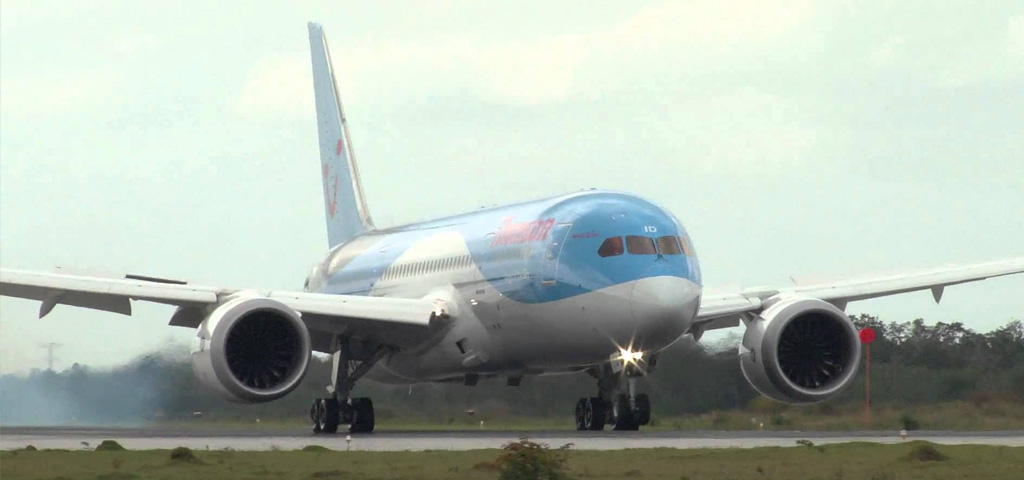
527,460
182,454
109,446
926,453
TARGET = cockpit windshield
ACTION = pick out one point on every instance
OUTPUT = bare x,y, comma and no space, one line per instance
610,247
638,245
668,246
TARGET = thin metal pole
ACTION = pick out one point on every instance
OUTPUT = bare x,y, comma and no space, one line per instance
867,387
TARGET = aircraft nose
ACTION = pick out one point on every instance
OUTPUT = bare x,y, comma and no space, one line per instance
663,308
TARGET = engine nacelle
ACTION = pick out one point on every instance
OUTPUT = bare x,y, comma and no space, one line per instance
252,349
800,350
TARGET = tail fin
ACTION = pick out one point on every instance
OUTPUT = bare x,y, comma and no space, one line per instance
346,211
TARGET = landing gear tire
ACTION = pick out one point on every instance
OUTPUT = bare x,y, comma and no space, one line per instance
643,409
581,411
594,413
314,416
622,414
325,416
362,415
330,417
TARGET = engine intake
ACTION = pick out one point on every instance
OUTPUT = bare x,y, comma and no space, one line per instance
252,349
800,350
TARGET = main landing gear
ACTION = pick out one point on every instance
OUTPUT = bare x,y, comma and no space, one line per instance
616,402
327,414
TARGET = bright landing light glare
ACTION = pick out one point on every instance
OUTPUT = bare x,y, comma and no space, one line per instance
630,357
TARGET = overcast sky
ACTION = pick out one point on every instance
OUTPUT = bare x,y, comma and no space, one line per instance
792,138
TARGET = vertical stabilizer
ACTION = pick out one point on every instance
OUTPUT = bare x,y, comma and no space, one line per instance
344,203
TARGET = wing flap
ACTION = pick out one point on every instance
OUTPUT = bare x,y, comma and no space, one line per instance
723,310
863,289
715,305
40,286
387,319
404,311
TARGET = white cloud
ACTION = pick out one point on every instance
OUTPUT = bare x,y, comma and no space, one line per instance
1015,35
64,93
280,85
528,72
888,53
718,23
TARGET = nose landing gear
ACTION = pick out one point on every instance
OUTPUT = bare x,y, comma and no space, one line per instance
616,403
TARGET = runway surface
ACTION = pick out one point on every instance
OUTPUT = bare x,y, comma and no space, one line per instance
143,438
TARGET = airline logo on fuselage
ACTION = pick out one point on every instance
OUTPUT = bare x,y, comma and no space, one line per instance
512,233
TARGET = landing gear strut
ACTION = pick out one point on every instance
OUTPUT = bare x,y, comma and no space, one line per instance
616,402
327,414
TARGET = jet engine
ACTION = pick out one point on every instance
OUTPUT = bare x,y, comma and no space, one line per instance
800,350
251,349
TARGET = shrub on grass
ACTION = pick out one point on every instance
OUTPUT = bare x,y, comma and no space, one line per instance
109,446
527,460
182,454
315,448
926,453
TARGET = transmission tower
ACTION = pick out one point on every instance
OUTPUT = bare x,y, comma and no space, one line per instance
49,354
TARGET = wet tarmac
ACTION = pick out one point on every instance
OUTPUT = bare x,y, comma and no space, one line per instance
143,438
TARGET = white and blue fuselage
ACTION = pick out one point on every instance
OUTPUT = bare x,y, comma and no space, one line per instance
543,286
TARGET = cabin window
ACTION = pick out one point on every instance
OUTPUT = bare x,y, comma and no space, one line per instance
668,246
638,245
612,246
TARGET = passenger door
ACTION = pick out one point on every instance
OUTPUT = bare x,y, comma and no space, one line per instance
553,250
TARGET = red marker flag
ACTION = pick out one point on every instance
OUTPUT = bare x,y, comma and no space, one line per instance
867,335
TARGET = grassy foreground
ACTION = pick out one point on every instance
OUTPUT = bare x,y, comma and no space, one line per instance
843,461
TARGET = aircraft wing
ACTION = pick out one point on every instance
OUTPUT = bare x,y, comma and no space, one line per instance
725,309
323,313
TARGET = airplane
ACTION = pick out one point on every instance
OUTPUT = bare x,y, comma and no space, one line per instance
596,282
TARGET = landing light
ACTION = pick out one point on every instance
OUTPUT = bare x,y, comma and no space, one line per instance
628,356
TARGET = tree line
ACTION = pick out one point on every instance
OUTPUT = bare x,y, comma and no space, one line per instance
913,363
